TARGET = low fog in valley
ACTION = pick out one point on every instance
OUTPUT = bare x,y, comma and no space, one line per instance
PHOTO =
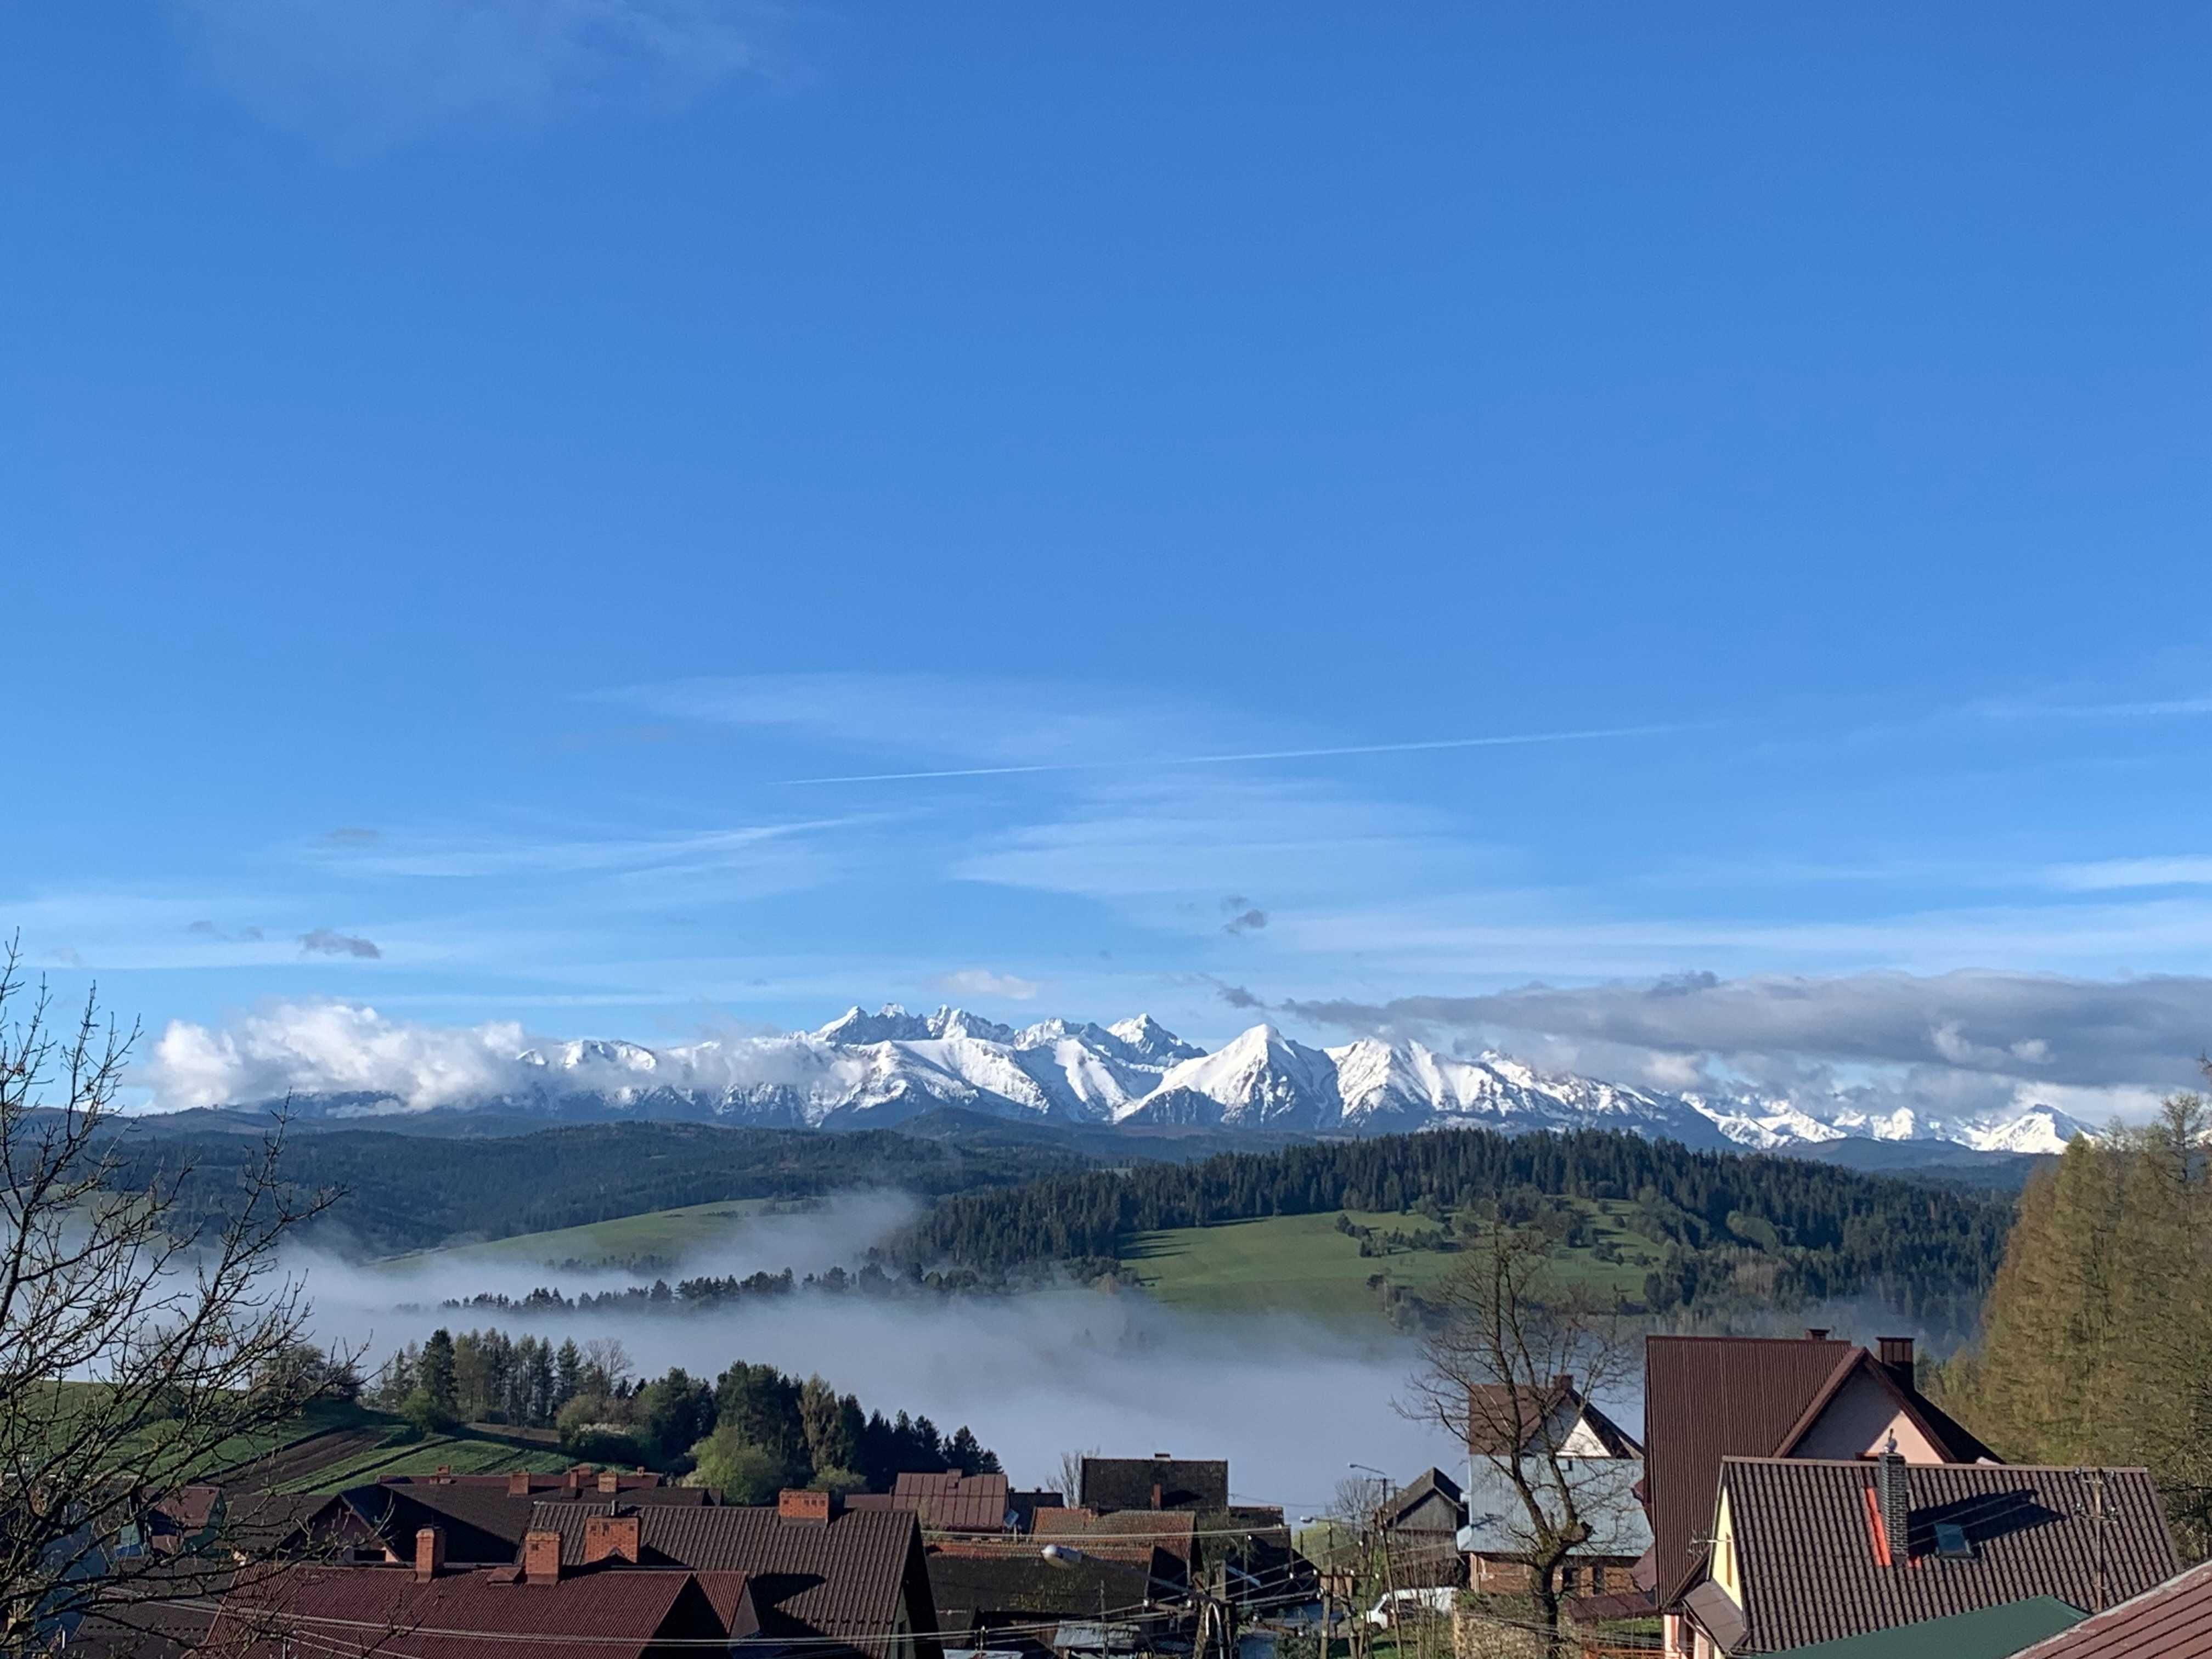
1289,1402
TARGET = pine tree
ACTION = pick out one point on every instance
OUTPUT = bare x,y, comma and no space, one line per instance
436,1379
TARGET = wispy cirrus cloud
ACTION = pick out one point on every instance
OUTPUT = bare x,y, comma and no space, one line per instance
2109,875
762,848
369,75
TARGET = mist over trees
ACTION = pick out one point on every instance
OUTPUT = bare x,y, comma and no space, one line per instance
2097,1338
751,1430
1806,1230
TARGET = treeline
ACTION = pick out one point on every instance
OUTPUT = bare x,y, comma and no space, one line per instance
399,1192
751,1432
704,1292
2097,1336
1828,1232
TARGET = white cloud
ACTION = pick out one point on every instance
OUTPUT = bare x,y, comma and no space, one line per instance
2106,875
328,1047
362,75
982,982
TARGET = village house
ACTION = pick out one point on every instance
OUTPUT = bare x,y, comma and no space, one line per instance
1806,1551
1710,1398
1158,1482
1602,1464
839,1583
512,1611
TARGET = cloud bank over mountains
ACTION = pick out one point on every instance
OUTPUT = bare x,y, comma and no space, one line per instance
1986,1059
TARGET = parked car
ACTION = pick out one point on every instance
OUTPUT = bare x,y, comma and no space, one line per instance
1397,1605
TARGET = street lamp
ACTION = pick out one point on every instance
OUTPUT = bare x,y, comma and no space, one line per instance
1212,1610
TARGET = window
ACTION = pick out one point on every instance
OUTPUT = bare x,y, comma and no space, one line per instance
1570,1579
1597,1579
1951,1541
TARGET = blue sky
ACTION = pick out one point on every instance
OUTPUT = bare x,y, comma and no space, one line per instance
469,472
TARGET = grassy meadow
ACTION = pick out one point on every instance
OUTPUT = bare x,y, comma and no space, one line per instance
1302,1264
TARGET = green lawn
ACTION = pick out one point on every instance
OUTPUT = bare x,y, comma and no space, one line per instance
668,1233
1302,1264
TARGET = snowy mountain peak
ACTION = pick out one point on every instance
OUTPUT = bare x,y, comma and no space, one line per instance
864,1069
1152,1040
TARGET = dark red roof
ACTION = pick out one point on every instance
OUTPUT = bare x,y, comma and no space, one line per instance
1805,1531
2171,1620
1706,1398
840,1578
386,1613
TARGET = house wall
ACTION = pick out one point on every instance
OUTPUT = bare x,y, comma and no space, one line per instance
1859,1422
1594,1575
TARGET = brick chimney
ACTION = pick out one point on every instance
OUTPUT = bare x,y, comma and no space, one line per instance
518,1484
429,1554
1895,1353
817,1507
1816,1333
612,1538
1894,1499
610,1480
541,1558
445,1472
573,1479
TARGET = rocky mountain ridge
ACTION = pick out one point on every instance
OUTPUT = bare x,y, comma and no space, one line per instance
864,1070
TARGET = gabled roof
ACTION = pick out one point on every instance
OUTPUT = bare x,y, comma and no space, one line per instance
358,1612
840,1578
1128,1482
1706,1398
483,1521
2171,1620
1430,1483
1805,1542
1497,1412
1943,1431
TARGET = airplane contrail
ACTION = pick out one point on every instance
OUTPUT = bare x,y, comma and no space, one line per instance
1505,740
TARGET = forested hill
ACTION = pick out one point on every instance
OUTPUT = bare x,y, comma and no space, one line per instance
400,1192
1817,1230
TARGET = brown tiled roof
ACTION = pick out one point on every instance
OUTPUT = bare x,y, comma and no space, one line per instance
1706,1398
1497,1412
1127,1483
1804,1537
484,1521
2171,1620
954,1502
355,1613
1126,1534
839,1578
483,1526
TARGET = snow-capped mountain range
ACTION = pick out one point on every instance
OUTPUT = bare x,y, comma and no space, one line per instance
865,1069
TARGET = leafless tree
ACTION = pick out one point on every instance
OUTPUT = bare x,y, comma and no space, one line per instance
607,1365
1513,1327
1071,1474
144,1341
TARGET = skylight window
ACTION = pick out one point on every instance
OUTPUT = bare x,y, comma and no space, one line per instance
1951,1541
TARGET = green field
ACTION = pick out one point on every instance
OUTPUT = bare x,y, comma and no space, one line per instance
1302,1264
668,1234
